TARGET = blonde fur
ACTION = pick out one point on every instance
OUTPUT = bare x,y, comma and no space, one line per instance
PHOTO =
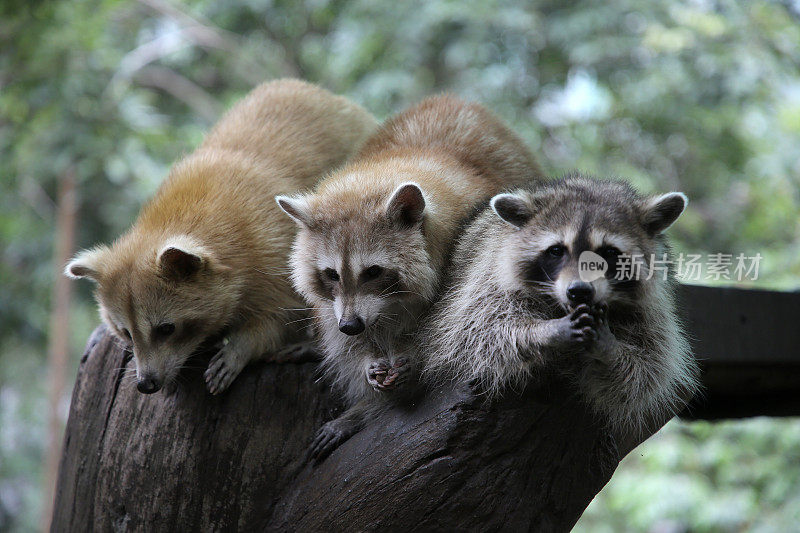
215,209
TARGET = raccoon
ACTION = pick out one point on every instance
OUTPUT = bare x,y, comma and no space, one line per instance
375,235
518,303
207,255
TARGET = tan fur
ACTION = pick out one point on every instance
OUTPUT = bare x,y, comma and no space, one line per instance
218,202
458,155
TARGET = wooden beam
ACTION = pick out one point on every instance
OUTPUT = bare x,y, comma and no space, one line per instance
749,350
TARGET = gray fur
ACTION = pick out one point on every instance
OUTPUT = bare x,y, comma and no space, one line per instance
500,329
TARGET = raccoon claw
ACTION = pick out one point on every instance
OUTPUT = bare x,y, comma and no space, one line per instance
582,324
397,375
329,437
585,336
377,373
580,327
383,377
583,321
220,373
600,312
582,309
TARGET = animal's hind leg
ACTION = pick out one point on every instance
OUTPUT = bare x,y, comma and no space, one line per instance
299,352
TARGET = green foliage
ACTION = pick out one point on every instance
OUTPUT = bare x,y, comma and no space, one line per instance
701,97
727,476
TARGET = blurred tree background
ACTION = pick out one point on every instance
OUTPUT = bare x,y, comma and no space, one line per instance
700,96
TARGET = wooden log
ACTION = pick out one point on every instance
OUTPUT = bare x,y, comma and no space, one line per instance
189,461
186,460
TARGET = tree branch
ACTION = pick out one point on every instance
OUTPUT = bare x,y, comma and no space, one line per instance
199,462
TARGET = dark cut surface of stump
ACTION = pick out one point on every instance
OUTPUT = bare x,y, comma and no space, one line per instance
189,461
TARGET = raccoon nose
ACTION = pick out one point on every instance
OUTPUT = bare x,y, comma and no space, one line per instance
580,292
148,385
351,326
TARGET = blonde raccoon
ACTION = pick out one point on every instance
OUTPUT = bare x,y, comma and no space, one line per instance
375,235
207,255
517,302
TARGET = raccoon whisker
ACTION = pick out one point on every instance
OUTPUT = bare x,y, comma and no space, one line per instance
120,344
389,287
540,283
400,292
388,317
304,319
300,308
276,273
406,291
405,308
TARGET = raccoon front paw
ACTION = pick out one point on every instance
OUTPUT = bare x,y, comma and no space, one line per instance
377,373
329,437
398,374
222,370
605,338
578,327
385,377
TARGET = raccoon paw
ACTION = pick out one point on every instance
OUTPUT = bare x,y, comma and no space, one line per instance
605,338
329,437
221,371
383,376
581,326
398,374
377,372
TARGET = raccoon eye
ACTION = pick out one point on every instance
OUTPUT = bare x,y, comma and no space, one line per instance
372,272
609,253
331,274
557,250
127,334
165,330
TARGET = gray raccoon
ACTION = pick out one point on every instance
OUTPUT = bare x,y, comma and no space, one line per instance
516,302
374,237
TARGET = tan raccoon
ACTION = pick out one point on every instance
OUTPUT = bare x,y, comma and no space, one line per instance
375,235
207,255
518,301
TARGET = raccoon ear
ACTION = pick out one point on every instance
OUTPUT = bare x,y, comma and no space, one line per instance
180,261
660,212
295,207
87,264
512,209
406,205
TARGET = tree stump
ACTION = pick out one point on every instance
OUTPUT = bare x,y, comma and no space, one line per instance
188,461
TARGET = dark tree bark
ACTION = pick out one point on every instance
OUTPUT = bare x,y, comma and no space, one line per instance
189,461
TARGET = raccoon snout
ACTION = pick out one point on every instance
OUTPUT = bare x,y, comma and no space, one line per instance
351,326
580,292
148,385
